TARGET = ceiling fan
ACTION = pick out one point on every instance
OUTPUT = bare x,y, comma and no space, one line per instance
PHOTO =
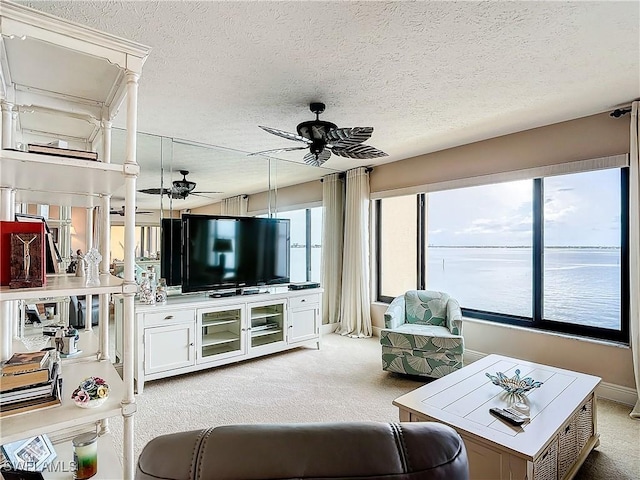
121,211
180,189
322,138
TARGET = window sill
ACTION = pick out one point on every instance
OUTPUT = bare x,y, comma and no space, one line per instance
597,341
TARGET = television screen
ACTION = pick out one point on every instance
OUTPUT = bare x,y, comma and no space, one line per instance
171,250
232,252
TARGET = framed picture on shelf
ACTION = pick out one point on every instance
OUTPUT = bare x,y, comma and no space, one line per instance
32,454
53,256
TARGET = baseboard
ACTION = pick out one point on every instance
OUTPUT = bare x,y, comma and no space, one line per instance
610,391
617,393
471,356
328,328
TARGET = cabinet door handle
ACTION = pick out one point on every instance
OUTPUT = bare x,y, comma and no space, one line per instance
168,317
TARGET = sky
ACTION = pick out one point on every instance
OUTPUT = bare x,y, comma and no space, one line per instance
581,209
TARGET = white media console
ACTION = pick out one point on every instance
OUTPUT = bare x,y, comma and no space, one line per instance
194,332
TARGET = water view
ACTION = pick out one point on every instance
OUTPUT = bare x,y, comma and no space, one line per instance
581,285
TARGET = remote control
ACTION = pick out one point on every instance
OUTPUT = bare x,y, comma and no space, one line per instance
520,415
507,417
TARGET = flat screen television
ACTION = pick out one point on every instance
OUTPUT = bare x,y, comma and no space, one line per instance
221,252
171,250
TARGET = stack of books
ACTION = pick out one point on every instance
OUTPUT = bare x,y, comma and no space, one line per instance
60,148
29,381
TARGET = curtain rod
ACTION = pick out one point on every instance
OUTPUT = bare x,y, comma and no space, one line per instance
618,112
341,175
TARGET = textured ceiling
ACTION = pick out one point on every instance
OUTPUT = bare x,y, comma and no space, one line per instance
425,75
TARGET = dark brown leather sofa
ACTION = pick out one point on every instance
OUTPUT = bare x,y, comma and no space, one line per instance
349,450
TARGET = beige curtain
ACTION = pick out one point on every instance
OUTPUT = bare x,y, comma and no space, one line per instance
332,241
234,206
355,315
634,249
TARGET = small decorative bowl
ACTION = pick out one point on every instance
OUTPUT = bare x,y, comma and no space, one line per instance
514,385
91,393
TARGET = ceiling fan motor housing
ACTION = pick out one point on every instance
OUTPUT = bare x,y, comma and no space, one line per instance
315,130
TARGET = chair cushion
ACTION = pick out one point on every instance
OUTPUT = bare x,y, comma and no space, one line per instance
428,338
426,307
416,362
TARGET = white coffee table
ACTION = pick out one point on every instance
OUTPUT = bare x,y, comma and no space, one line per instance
553,445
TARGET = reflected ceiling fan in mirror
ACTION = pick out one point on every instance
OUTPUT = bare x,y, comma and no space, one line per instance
121,212
323,138
180,189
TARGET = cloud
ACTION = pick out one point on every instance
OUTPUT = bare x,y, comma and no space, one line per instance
511,224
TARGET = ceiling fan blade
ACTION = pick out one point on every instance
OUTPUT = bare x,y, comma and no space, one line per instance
287,135
155,191
201,194
344,137
278,150
359,151
316,161
210,193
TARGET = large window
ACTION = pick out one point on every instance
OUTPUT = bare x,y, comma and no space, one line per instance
582,254
306,243
479,246
548,253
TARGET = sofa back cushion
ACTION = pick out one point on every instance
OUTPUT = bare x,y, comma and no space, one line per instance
426,307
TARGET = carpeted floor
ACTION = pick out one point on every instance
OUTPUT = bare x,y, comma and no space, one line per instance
340,382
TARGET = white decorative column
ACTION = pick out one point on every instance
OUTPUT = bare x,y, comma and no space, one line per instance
88,308
65,236
105,248
131,170
5,307
7,124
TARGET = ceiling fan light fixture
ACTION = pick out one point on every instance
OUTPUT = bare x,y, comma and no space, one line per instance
183,186
315,130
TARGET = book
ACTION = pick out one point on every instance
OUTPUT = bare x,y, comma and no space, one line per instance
32,392
28,405
15,380
62,152
25,362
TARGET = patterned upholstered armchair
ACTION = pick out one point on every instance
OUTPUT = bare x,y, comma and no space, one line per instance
423,334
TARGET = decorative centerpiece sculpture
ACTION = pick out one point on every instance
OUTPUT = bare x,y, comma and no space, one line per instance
514,385
91,393
93,259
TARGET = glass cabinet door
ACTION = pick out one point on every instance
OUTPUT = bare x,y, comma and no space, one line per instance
221,333
267,324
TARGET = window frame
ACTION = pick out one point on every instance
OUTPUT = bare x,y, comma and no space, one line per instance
537,321
308,246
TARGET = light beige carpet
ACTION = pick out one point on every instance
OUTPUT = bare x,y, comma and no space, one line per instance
342,381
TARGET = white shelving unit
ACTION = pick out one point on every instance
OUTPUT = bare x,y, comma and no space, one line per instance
65,81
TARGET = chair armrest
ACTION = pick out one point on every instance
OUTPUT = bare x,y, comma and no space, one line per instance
454,317
394,315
